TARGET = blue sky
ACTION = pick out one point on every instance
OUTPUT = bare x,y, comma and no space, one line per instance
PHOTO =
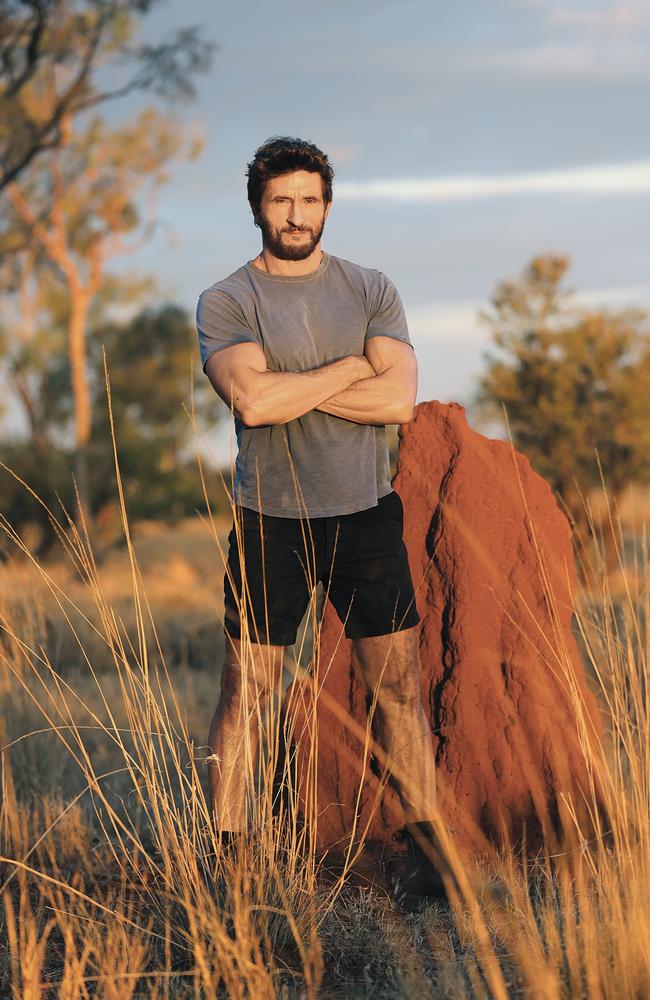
465,138
539,110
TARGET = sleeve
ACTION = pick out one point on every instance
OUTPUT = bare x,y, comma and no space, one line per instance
220,323
387,318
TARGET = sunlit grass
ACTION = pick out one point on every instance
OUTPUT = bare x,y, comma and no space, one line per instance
111,876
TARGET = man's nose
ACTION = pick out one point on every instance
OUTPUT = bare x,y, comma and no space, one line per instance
295,216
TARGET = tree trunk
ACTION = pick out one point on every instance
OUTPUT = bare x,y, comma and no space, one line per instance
81,397
36,435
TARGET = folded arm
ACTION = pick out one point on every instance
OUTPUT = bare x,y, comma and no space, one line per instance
258,396
388,396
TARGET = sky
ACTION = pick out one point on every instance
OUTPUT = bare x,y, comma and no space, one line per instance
465,138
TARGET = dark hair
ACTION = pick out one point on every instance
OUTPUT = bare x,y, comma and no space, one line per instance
283,154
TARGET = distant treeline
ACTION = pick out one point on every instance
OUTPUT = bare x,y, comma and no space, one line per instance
149,361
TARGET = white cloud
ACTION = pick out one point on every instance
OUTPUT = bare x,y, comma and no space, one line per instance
620,17
603,58
447,321
459,321
615,298
622,178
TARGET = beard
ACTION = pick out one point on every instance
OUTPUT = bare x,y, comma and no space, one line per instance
286,247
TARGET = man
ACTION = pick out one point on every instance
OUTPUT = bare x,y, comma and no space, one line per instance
312,353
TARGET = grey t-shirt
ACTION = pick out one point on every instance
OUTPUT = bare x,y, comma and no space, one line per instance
316,465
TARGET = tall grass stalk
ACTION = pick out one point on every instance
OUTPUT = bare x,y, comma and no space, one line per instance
122,887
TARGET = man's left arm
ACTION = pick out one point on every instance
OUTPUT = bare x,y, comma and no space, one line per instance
388,397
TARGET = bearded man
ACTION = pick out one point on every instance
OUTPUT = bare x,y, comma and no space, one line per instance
312,354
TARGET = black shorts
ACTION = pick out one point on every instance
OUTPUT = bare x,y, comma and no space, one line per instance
360,558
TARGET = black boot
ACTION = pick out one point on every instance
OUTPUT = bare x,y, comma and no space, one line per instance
425,863
230,839
229,844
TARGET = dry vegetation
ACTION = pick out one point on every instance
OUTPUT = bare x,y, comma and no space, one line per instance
109,875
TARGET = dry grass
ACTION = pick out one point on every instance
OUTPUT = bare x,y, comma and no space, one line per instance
110,877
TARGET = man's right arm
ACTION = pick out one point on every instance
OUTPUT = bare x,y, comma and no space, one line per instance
258,396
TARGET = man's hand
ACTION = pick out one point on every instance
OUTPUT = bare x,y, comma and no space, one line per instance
387,396
258,396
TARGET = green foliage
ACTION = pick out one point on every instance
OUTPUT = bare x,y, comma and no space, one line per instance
73,212
150,362
47,41
47,475
573,382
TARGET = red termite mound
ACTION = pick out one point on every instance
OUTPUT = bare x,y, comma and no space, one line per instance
491,559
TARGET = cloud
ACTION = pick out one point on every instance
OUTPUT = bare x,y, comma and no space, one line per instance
621,296
621,178
601,59
620,17
459,321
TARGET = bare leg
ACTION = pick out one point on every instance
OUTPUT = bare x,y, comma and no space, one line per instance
250,673
400,726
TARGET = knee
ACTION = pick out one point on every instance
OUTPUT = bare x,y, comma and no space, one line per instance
398,694
256,680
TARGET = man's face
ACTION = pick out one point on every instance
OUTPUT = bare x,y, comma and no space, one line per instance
293,214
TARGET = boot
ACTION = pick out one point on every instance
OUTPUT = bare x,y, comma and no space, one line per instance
229,844
425,864
232,842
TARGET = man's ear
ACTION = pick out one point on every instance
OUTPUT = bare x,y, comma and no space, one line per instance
327,210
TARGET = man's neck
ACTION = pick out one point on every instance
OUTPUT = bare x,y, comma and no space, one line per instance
270,264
